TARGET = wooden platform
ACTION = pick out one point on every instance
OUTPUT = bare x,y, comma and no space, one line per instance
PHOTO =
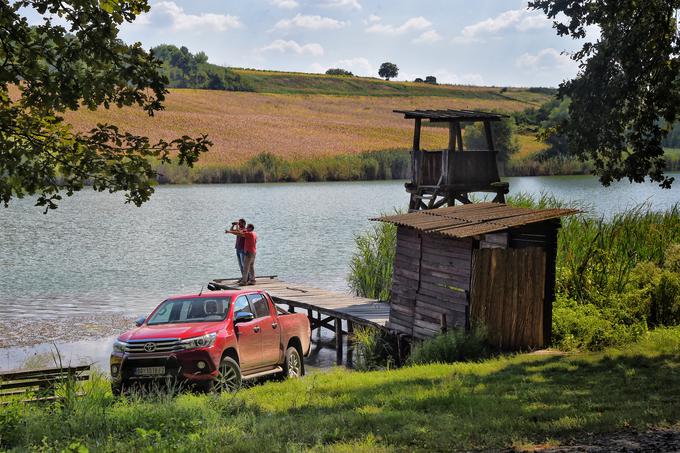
357,310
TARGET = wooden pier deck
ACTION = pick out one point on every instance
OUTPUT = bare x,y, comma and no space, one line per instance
325,309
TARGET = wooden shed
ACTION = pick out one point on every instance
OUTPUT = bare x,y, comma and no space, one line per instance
483,263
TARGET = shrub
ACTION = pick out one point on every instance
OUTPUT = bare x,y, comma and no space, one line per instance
373,349
453,346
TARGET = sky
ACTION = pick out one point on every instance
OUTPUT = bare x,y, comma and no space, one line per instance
480,42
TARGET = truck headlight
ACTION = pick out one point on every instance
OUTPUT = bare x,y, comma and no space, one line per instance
119,346
203,341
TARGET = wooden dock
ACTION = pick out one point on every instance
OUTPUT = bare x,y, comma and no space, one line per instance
325,309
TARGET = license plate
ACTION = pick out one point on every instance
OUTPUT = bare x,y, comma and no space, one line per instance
150,371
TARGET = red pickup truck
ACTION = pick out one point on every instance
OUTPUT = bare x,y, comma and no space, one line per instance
213,340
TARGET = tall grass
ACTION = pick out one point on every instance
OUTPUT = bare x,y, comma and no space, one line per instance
268,167
370,268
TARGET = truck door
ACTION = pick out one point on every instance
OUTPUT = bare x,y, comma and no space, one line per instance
270,333
249,336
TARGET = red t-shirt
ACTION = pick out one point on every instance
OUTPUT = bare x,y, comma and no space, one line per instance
249,242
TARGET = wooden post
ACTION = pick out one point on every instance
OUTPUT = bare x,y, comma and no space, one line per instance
489,135
338,341
350,348
416,154
291,309
318,324
452,137
444,327
459,135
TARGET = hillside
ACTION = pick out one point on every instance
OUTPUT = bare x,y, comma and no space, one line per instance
296,126
303,83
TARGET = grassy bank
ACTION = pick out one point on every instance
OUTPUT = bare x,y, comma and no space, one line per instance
508,401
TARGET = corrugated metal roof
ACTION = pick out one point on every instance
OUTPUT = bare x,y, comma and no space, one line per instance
473,219
451,115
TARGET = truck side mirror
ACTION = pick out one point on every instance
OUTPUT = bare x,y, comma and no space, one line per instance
243,316
139,321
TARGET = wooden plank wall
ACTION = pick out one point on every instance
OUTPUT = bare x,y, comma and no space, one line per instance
445,272
431,278
508,290
405,280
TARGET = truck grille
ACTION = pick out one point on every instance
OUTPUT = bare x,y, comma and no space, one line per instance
154,346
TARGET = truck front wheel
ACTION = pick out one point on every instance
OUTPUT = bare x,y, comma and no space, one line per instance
229,377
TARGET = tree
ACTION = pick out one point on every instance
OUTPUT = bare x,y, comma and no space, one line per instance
431,79
47,70
419,80
505,140
339,72
627,92
388,70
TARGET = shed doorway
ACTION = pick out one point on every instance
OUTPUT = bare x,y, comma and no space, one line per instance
507,295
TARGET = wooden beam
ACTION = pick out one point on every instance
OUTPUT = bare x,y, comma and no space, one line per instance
452,137
459,135
416,135
338,341
489,135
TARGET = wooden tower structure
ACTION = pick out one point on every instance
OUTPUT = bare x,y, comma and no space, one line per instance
444,177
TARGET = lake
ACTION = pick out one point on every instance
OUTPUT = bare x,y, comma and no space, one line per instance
97,255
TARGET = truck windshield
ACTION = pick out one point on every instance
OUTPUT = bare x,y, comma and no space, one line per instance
190,310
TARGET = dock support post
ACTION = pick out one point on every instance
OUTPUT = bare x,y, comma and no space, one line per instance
443,323
350,347
338,341
318,324
291,309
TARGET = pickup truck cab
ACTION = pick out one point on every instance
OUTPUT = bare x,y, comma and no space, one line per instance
213,340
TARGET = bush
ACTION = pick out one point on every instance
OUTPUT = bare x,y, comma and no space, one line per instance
373,349
453,346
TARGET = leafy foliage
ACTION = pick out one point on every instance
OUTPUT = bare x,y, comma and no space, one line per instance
187,70
629,81
453,346
339,72
388,70
372,264
47,70
504,136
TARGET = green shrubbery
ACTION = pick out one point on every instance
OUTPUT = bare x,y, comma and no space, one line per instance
371,265
453,346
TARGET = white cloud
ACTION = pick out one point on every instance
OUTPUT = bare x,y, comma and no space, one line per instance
170,15
445,76
285,4
545,60
413,24
428,37
519,19
374,18
310,23
359,66
347,4
293,47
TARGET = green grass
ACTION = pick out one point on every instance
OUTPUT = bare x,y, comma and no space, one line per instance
498,403
304,83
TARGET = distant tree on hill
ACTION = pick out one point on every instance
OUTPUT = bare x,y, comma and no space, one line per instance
419,80
388,70
431,79
187,70
339,72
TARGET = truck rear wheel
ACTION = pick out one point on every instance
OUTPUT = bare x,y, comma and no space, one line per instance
293,367
229,376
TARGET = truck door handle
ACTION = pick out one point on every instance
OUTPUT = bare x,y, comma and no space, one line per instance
256,329
275,325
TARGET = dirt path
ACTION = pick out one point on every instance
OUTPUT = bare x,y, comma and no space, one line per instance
655,440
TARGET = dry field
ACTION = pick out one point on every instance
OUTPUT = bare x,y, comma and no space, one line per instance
242,125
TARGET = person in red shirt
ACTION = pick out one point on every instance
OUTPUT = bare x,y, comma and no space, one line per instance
250,248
